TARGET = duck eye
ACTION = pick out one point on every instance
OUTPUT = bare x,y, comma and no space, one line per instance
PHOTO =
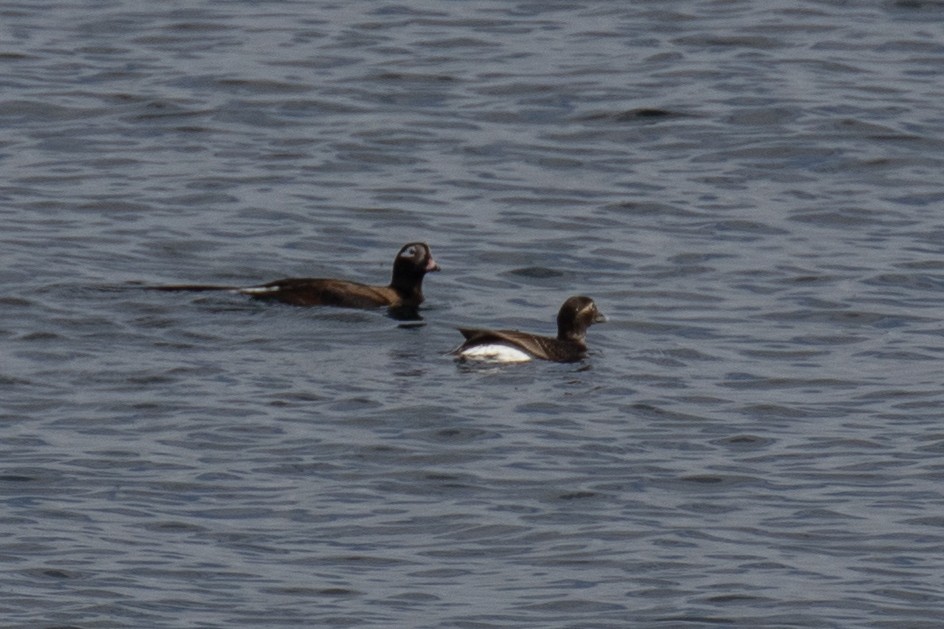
410,252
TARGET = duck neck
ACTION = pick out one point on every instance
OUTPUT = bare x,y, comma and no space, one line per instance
574,336
408,287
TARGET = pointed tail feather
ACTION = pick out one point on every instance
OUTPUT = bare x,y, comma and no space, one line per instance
191,287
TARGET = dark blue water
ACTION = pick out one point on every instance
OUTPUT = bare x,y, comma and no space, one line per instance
751,191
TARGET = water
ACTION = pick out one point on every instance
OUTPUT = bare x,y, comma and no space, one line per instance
750,191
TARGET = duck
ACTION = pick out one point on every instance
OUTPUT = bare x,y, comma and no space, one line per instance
570,345
404,292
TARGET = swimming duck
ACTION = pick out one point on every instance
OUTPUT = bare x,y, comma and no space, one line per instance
405,290
575,316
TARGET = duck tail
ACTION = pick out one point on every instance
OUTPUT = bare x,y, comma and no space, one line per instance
193,288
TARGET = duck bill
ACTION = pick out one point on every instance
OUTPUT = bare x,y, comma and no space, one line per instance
431,265
600,318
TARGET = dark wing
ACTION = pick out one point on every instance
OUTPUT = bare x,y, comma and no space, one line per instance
543,347
324,292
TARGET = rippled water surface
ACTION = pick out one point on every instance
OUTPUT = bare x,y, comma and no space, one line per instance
751,191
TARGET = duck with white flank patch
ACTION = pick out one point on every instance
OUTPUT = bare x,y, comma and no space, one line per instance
575,316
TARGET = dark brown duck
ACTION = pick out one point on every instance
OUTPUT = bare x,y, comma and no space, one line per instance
405,290
575,316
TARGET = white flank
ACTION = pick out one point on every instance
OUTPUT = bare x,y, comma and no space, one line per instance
256,290
496,352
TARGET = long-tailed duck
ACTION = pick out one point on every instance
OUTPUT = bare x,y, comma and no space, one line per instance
575,316
405,290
